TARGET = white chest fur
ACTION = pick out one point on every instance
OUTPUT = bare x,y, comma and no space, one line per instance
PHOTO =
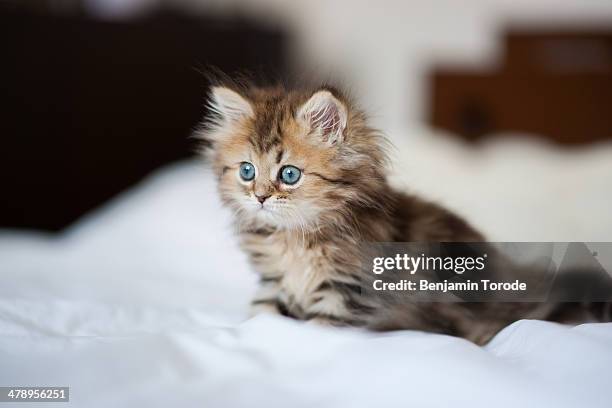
299,270
304,270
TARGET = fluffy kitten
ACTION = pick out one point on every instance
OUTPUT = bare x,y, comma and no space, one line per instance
305,176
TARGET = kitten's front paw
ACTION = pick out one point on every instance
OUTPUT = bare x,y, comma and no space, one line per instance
325,321
263,307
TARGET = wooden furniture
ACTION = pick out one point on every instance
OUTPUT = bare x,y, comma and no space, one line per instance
89,107
554,84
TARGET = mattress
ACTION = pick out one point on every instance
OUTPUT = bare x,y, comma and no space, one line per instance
144,301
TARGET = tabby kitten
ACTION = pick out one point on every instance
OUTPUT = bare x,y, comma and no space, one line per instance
305,176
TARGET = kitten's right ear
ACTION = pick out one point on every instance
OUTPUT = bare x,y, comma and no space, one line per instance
325,115
228,105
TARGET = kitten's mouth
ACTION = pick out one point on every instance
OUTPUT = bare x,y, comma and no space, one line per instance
266,211
268,207
267,215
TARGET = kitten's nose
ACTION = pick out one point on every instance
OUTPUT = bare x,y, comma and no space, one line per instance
262,198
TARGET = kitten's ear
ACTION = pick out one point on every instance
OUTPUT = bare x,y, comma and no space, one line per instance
229,105
325,115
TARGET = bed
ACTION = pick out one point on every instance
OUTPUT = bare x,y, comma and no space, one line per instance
143,302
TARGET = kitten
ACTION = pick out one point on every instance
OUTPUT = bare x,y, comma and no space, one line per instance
305,175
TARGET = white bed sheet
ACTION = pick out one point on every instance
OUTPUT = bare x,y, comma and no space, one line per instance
144,302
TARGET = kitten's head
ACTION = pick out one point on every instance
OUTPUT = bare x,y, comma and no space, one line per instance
292,159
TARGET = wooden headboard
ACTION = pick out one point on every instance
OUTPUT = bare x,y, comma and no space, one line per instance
90,107
557,84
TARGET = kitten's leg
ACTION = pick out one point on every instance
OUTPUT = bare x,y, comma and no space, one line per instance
267,298
331,321
338,304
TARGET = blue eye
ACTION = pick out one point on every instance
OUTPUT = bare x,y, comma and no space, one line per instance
290,174
247,171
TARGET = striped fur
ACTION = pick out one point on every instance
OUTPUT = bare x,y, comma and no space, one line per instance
304,240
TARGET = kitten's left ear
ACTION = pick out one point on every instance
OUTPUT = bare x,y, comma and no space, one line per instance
325,115
230,105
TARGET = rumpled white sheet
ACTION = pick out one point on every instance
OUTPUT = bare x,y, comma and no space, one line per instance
143,302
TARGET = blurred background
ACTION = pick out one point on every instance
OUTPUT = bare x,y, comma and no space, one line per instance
500,109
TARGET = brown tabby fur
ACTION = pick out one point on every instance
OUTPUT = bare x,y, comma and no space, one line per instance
306,245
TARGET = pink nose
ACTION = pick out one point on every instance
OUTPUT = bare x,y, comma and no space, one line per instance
262,198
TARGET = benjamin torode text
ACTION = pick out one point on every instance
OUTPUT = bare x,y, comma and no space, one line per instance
413,264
